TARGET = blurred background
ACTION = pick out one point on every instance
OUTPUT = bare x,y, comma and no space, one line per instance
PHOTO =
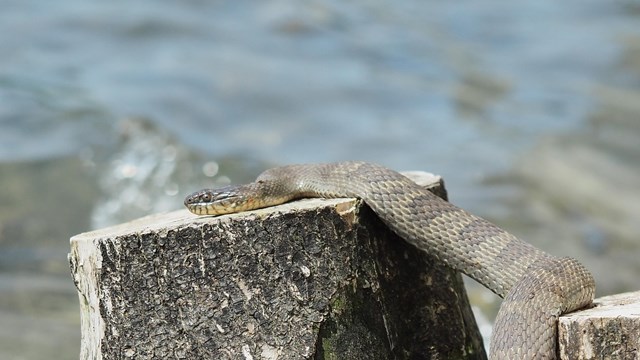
114,110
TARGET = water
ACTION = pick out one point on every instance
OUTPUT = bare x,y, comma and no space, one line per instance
114,110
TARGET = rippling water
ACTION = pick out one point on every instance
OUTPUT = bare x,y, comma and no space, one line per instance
114,110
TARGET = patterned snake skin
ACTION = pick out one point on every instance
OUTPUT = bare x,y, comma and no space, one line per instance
536,286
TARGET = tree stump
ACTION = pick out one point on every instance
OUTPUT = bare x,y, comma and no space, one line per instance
313,279
610,330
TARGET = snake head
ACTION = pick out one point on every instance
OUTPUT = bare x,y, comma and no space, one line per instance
225,200
215,201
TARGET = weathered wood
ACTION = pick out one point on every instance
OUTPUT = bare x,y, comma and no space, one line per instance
609,330
314,279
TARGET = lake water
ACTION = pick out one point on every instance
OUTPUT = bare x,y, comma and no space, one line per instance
114,110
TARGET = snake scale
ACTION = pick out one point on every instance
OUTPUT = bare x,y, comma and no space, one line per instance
536,287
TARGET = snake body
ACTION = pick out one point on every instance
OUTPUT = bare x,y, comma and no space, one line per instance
536,287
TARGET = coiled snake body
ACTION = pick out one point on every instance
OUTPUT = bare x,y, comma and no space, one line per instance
536,286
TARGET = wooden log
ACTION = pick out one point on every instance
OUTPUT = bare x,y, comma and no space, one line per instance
313,279
609,330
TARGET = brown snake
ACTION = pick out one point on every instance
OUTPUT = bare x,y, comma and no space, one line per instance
536,287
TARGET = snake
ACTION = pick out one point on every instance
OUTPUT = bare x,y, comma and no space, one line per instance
536,287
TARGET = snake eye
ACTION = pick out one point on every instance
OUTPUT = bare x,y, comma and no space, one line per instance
206,197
